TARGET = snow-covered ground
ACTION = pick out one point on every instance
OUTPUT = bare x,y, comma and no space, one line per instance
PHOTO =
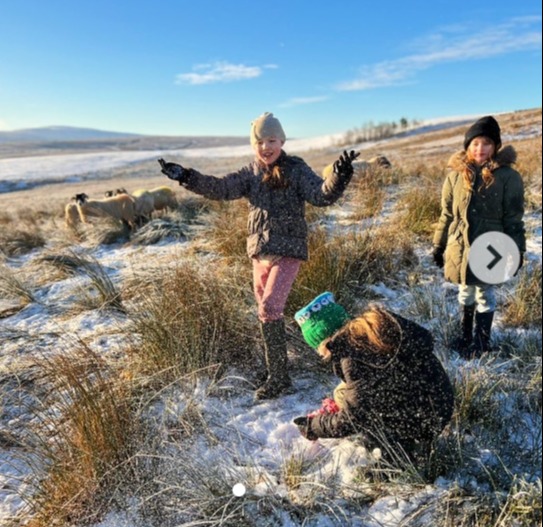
262,433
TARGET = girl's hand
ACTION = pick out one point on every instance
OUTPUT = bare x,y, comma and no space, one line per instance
343,167
437,255
173,171
304,426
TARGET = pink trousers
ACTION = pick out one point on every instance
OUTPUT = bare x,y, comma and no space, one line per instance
272,280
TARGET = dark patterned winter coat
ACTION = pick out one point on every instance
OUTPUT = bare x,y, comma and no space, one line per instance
464,217
276,223
398,402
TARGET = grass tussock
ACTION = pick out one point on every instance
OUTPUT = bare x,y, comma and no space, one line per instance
347,262
366,195
160,229
11,286
190,320
84,440
476,399
523,305
104,232
19,241
193,208
419,170
419,209
99,292
67,263
225,232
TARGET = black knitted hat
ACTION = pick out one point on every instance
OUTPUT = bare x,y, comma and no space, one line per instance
487,126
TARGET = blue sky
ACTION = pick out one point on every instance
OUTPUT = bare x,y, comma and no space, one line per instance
204,67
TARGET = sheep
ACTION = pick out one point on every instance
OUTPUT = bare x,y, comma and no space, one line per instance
121,207
360,166
163,197
71,215
147,201
145,205
111,193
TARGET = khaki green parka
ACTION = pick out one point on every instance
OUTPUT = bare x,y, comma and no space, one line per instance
464,217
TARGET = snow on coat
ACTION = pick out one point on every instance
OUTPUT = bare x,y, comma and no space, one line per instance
276,223
398,402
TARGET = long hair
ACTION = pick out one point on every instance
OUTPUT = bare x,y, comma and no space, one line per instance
275,176
374,330
470,170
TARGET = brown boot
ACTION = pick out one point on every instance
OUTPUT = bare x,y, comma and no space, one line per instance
275,347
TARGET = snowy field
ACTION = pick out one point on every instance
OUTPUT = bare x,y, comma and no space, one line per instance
249,435
19,173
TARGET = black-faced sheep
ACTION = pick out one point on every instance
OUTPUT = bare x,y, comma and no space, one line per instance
361,166
116,192
121,207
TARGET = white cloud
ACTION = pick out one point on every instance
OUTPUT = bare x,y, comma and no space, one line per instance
221,72
453,44
298,101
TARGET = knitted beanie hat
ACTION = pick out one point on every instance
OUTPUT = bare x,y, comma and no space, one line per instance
266,126
487,126
320,319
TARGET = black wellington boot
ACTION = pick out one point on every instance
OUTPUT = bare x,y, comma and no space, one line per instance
463,342
275,347
483,326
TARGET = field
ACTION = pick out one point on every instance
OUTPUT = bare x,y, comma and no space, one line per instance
127,361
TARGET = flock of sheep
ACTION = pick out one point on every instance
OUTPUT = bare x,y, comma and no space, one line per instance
133,210
136,209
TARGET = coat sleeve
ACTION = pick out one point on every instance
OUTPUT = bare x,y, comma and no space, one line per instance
350,419
336,425
232,186
446,217
319,192
513,209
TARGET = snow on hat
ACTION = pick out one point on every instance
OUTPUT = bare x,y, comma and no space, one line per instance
266,126
487,126
320,319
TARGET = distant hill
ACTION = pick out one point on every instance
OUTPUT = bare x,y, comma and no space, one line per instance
59,133
54,140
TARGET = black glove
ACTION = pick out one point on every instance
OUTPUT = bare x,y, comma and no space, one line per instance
173,171
437,255
520,263
343,167
304,425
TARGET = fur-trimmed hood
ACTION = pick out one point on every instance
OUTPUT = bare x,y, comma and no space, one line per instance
507,156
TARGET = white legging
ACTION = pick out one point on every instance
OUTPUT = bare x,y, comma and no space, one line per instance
481,295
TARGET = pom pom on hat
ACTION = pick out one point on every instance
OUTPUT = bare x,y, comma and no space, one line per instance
320,319
266,126
487,126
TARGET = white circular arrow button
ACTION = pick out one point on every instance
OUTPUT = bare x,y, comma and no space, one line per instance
494,257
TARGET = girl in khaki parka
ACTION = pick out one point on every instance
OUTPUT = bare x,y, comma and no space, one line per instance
482,193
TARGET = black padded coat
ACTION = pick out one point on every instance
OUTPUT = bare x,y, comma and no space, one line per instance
276,224
398,402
